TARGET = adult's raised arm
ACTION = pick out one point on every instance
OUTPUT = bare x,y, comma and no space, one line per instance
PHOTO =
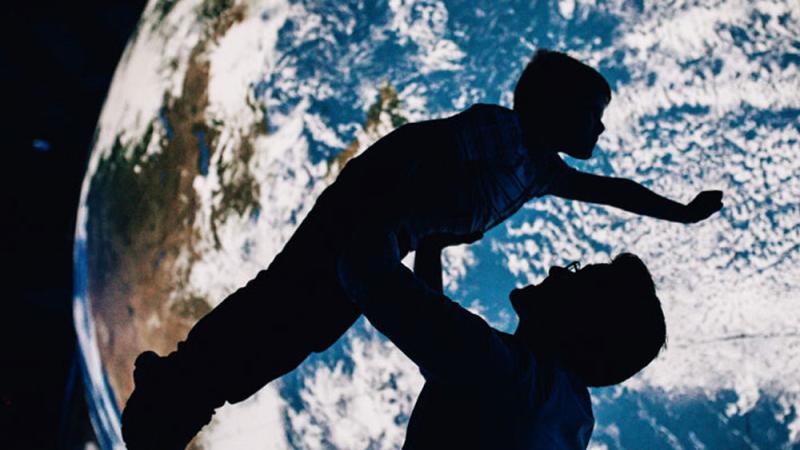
448,342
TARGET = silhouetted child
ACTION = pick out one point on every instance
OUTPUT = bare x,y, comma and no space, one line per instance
460,175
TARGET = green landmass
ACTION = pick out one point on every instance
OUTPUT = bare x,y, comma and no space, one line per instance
212,9
387,102
162,8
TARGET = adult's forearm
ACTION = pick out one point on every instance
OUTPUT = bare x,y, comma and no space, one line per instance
444,339
428,265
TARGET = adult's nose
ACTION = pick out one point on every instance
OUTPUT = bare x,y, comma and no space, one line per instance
600,128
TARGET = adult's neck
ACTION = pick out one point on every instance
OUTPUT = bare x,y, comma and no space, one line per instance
529,336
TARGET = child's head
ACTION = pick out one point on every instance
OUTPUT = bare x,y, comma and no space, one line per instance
560,101
603,321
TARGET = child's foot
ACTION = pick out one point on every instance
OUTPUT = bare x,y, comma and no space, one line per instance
164,412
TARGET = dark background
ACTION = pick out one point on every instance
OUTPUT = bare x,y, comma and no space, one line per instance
56,63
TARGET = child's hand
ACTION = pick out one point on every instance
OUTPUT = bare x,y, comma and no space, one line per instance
704,205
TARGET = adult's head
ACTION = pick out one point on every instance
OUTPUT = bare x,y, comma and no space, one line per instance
560,101
603,321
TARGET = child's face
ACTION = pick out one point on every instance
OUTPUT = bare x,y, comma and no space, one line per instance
580,127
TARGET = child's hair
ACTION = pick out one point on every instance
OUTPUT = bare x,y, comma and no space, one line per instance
555,79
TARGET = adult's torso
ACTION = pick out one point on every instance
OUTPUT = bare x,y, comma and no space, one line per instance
543,407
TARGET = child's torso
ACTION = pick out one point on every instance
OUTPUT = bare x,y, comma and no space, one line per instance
460,175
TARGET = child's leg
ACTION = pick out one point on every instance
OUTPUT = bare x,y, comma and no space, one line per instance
257,334
268,327
295,307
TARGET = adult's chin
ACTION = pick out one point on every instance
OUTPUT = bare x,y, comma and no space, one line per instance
520,298
516,298
587,151
582,155
579,151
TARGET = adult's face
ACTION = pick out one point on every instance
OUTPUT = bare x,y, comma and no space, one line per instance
563,300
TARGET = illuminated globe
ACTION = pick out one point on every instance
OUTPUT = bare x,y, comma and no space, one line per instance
226,119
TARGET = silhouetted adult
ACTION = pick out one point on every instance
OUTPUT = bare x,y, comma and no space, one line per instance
459,175
486,389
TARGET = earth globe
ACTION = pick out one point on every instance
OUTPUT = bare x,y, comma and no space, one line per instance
226,118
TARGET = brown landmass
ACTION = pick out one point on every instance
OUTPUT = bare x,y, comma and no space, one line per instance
142,210
387,102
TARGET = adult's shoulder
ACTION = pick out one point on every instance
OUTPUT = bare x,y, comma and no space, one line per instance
571,392
525,366
538,376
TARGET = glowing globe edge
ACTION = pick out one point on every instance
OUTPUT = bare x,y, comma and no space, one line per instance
104,412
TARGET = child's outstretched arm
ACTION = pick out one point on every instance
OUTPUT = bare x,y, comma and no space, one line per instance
632,196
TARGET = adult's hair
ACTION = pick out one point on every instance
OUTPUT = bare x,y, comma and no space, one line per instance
624,325
553,80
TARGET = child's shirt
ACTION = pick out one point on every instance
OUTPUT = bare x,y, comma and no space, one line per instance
459,175
507,174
